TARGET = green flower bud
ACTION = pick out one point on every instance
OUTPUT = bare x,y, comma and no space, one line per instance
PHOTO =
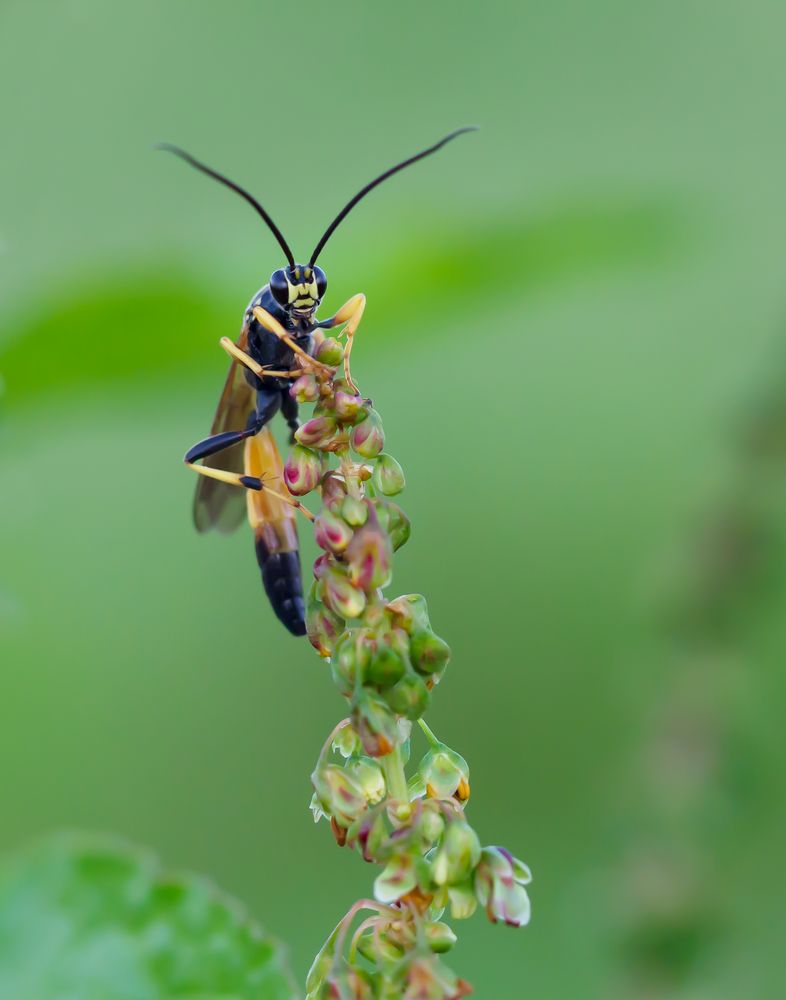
439,937
369,555
396,880
399,526
346,742
409,612
316,432
409,697
348,407
499,886
457,855
339,793
332,533
388,475
379,949
339,594
446,774
354,511
462,900
429,653
330,352
374,723
323,627
303,470
350,656
368,438
305,389
386,666
431,825
370,777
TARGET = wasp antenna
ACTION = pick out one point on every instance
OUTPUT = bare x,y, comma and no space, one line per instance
169,148
378,180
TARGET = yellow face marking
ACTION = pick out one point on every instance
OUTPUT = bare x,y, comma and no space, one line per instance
304,290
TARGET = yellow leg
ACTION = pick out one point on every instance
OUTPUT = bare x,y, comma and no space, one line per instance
248,483
350,313
247,361
272,324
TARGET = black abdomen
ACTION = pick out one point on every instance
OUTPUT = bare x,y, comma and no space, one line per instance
283,586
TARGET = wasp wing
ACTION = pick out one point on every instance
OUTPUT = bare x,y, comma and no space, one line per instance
216,504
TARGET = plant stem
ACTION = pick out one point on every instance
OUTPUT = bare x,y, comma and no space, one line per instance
435,743
395,776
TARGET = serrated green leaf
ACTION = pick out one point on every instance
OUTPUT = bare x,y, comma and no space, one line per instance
90,918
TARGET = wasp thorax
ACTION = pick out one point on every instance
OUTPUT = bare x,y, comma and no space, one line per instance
299,288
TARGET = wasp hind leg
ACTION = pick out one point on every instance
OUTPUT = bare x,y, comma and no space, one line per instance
267,405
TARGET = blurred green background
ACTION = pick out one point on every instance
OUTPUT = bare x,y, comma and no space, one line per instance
576,334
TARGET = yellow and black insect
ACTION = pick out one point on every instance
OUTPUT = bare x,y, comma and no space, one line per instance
278,337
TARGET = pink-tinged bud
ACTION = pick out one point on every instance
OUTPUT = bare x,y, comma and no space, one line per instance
334,489
338,592
332,533
409,612
330,352
369,556
375,724
321,565
339,793
303,470
430,979
316,432
368,438
388,476
354,511
323,628
348,407
397,879
499,886
409,697
429,653
305,389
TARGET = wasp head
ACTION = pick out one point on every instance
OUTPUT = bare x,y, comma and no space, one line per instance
299,288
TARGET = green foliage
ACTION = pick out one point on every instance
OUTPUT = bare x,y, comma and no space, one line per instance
89,917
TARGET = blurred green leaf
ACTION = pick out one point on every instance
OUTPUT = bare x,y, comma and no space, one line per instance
88,917
168,322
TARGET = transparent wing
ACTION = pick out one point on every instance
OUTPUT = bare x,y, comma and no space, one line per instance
217,505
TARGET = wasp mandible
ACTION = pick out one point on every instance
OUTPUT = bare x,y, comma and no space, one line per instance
278,338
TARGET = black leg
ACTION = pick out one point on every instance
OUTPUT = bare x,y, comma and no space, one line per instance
289,411
268,401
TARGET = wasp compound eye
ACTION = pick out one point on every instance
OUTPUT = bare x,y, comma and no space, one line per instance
321,279
279,286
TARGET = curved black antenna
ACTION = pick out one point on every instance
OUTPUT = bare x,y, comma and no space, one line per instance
378,180
169,148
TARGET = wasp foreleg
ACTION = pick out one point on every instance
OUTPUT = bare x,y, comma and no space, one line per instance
350,313
271,324
248,362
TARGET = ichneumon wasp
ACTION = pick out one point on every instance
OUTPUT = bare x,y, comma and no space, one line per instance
278,338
